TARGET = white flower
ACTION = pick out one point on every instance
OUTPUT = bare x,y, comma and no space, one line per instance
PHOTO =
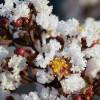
93,67
42,6
92,52
9,81
47,21
7,8
45,92
44,77
53,22
43,20
43,62
91,31
53,94
68,28
21,10
49,50
31,96
73,83
17,62
3,52
52,46
77,57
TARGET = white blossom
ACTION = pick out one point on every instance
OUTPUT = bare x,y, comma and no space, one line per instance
92,52
9,81
43,20
21,10
77,57
47,21
45,92
42,6
73,83
3,52
17,62
44,77
91,31
93,67
7,8
70,27
31,96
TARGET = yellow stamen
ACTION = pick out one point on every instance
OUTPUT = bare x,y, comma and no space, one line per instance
60,66
81,29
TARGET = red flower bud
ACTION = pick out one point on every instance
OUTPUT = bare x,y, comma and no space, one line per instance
88,97
21,51
19,22
78,97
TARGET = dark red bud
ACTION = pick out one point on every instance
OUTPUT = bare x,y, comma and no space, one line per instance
21,51
19,22
78,97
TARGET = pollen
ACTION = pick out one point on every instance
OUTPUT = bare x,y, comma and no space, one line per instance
60,66
81,29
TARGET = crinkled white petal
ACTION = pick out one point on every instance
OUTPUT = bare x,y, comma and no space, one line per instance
44,77
17,62
21,10
77,57
49,50
43,20
9,81
53,94
91,31
49,22
43,62
68,28
92,52
73,83
45,93
93,67
31,96
42,6
3,52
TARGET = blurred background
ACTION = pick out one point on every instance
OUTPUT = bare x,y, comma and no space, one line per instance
79,9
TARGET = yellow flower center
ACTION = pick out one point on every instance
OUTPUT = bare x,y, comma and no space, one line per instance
60,66
81,29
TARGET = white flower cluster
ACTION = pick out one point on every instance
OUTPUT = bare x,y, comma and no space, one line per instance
61,41
44,94
11,80
8,10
